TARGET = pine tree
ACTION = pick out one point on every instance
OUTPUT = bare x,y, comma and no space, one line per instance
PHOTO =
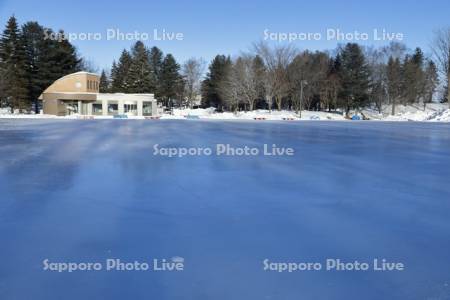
13,64
37,54
211,96
140,74
70,62
431,79
46,59
3,95
413,77
170,80
61,58
120,78
156,58
48,67
104,83
114,80
354,75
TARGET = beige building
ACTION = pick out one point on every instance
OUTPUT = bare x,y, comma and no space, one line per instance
78,93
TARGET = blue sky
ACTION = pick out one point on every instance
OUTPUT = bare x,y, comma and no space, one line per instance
228,27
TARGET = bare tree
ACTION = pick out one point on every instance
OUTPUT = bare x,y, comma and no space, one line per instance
394,82
192,71
394,50
229,88
441,51
243,82
376,62
307,78
276,60
89,65
246,80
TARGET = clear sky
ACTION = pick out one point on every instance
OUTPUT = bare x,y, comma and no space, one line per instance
229,26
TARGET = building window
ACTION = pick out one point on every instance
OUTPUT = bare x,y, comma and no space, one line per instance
97,109
71,107
130,109
113,109
147,108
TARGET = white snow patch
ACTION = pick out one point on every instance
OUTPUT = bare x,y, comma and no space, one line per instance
209,113
434,112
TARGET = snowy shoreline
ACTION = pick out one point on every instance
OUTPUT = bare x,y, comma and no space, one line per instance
434,112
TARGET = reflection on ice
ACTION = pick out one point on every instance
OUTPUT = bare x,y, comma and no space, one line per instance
92,190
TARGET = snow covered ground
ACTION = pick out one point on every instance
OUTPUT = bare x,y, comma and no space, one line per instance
210,113
434,112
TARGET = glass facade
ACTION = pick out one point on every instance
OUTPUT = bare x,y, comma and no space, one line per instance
147,108
130,109
113,109
71,107
97,109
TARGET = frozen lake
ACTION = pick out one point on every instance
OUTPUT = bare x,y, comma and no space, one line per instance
87,191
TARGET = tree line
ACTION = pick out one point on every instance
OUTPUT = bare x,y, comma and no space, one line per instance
30,62
148,70
282,77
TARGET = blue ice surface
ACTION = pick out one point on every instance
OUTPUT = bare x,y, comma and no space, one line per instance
86,191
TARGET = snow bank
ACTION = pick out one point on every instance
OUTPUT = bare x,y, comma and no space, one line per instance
274,115
409,113
434,112
443,116
5,111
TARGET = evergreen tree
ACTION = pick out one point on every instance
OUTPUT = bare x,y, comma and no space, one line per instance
413,77
3,94
114,80
156,59
120,78
218,70
70,62
431,82
61,58
170,80
13,64
140,74
38,61
104,83
46,59
354,76
32,34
